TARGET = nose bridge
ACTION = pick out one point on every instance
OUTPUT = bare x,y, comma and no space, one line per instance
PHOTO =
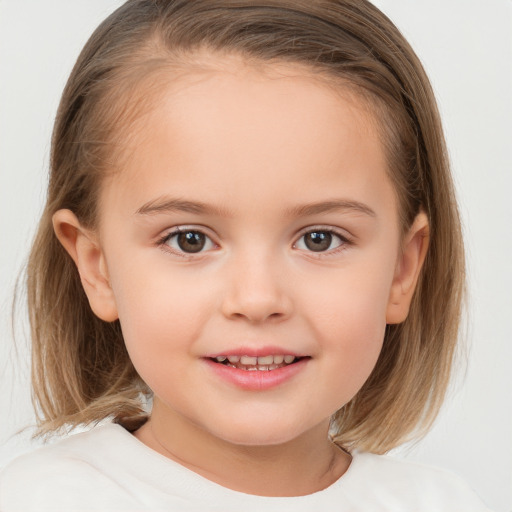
255,287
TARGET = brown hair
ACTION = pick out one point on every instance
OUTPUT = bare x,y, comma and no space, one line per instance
81,370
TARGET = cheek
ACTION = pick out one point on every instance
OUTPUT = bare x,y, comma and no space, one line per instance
354,299
348,315
357,336
159,313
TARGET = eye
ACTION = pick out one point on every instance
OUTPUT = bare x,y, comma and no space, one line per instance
188,241
320,240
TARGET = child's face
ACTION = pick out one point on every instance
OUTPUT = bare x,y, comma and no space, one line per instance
288,244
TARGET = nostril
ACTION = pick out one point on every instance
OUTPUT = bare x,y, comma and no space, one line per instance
256,303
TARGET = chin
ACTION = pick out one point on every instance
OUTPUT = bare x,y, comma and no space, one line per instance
277,431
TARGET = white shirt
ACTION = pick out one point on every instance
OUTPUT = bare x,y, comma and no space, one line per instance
108,469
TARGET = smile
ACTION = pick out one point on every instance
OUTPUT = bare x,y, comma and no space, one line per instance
257,372
260,363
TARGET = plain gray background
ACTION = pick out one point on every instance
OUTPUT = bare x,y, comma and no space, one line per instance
466,46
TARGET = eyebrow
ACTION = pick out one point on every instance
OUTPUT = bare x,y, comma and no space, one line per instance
331,206
169,205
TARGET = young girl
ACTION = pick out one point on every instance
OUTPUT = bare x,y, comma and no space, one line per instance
249,268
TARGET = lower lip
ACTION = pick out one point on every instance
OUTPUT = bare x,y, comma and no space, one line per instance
257,380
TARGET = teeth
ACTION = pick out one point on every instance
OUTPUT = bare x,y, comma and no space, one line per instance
266,360
248,360
269,362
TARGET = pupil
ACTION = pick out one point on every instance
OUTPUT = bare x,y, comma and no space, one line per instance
191,241
318,241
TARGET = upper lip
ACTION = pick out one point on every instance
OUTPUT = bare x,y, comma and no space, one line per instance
256,352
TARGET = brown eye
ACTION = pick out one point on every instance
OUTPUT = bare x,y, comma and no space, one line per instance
320,241
189,242
192,241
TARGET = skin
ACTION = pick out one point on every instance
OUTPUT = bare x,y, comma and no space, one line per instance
256,146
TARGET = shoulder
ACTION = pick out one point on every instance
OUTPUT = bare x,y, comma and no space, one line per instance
412,485
59,476
388,468
83,450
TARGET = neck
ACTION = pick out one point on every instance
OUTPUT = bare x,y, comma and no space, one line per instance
304,465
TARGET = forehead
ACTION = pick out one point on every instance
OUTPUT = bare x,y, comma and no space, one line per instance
246,125
153,86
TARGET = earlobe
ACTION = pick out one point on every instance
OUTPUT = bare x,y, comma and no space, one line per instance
83,247
408,269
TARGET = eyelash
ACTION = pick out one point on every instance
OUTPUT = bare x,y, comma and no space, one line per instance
163,242
345,241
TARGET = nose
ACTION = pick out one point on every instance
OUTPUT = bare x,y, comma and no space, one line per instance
256,290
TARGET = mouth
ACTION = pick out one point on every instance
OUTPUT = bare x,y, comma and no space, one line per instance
261,363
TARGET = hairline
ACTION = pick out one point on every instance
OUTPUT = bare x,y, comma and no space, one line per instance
151,73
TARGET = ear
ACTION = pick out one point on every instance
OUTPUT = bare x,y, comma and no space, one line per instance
83,247
410,261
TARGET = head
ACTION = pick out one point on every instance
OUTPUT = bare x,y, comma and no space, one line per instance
82,369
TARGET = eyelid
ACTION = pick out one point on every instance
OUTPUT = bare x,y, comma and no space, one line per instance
346,238
176,230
